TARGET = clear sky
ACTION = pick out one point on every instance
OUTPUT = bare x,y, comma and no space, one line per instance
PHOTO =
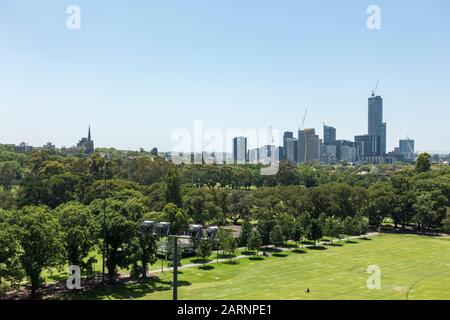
137,70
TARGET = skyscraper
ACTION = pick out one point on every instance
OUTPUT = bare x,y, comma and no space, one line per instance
376,125
406,148
240,155
287,135
309,146
329,135
368,148
291,149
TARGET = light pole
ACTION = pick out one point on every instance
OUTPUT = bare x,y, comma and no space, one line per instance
105,247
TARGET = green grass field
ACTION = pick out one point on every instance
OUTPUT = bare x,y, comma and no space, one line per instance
417,266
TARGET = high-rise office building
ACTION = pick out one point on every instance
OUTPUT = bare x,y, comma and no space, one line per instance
287,135
406,148
329,135
368,148
344,148
240,155
376,126
291,149
309,146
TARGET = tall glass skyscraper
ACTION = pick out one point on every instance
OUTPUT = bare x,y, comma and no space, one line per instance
329,135
240,154
377,127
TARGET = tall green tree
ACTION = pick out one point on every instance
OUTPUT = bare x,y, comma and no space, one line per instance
120,238
246,230
41,241
203,249
173,189
226,242
276,236
423,163
10,268
177,217
332,228
145,252
314,231
254,242
80,232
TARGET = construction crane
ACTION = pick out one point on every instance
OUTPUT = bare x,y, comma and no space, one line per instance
303,121
375,90
272,146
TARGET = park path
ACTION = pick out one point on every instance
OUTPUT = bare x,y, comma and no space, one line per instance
190,265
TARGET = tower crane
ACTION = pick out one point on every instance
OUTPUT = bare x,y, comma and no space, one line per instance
375,90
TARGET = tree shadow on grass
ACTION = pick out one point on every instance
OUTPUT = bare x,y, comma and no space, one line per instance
280,255
206,267
126,290
334,244
317,248
272,249
256,258
299,251
232,262
200,261
351,241
365,239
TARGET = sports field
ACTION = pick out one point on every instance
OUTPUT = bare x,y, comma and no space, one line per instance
413,267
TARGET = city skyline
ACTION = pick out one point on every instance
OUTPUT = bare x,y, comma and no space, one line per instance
136,73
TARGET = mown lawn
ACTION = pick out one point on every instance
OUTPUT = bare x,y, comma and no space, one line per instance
413,266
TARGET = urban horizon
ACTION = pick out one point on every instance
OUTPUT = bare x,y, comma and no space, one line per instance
279,143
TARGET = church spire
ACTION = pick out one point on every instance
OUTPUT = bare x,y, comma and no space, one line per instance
89,134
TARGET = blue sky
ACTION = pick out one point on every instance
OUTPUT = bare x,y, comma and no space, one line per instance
137,70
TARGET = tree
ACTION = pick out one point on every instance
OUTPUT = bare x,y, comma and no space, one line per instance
314,231
203,250
276,236
349,227
41,240
297,232
266,223
226,242
362,225
430,209
286,222
80,230
423,163
7,175
173,189
383,202
332,228
120,235
10,267
254,242
178,219
145,252
246,230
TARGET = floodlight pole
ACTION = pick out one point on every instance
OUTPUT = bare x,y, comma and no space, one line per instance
104,223
175,268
